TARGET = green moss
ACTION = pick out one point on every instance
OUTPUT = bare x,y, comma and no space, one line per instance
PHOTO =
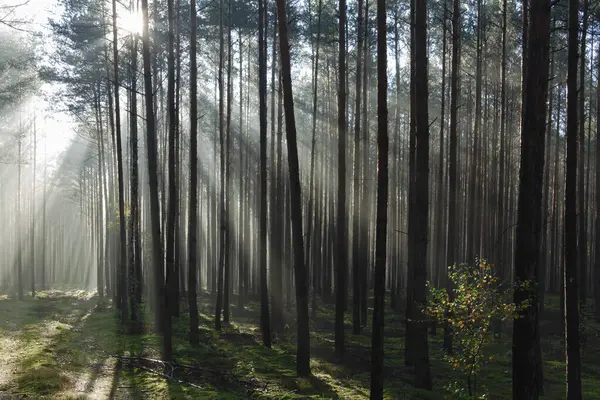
61,346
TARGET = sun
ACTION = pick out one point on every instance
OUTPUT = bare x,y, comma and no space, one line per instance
131,21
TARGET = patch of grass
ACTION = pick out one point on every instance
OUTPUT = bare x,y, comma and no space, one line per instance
41,381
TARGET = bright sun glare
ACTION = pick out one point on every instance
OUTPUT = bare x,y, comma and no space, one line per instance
130,21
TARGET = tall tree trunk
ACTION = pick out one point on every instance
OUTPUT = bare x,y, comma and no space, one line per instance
409,354
452,170
421,198
440,205
356,222
135,247
529,214
193,211
377,337
32,233
472,227
597,205
311,185
582,245
277,200
341,252
573,358
262,89
171,276
301,273
241,201
100,284
122,233
222,228
226,233
162,316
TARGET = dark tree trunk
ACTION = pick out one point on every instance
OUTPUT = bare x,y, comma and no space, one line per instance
223,219
193,213
529,215
341,251
582,245
162,316
226,234
262,229
122,267
418,265
171,276
573,358
377,337
452,234
312,220
597,208
356,222
134,278
301,273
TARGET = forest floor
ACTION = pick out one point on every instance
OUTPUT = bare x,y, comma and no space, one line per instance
64,345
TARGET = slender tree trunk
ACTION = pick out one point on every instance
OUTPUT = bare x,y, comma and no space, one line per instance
33,209
134,278
573,358
582,245
441,193
122,233
226,234
162,316
262,256
597,205
356,222
377,337
452,171
301,273
472,227
193,211
222,228
341,252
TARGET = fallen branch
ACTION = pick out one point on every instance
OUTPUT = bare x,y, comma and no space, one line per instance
163,375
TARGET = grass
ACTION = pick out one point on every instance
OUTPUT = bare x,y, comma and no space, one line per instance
67,345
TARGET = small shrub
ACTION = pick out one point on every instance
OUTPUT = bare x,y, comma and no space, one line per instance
478,300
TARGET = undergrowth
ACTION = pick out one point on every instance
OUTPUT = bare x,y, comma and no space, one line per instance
67,345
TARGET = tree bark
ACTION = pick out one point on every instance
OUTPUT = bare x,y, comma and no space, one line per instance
262,256
341,252
529,214
301,273
162,316
193,211
377,337
573,358
122,267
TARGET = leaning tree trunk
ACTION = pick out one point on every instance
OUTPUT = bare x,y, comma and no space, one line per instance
121,288
301,272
